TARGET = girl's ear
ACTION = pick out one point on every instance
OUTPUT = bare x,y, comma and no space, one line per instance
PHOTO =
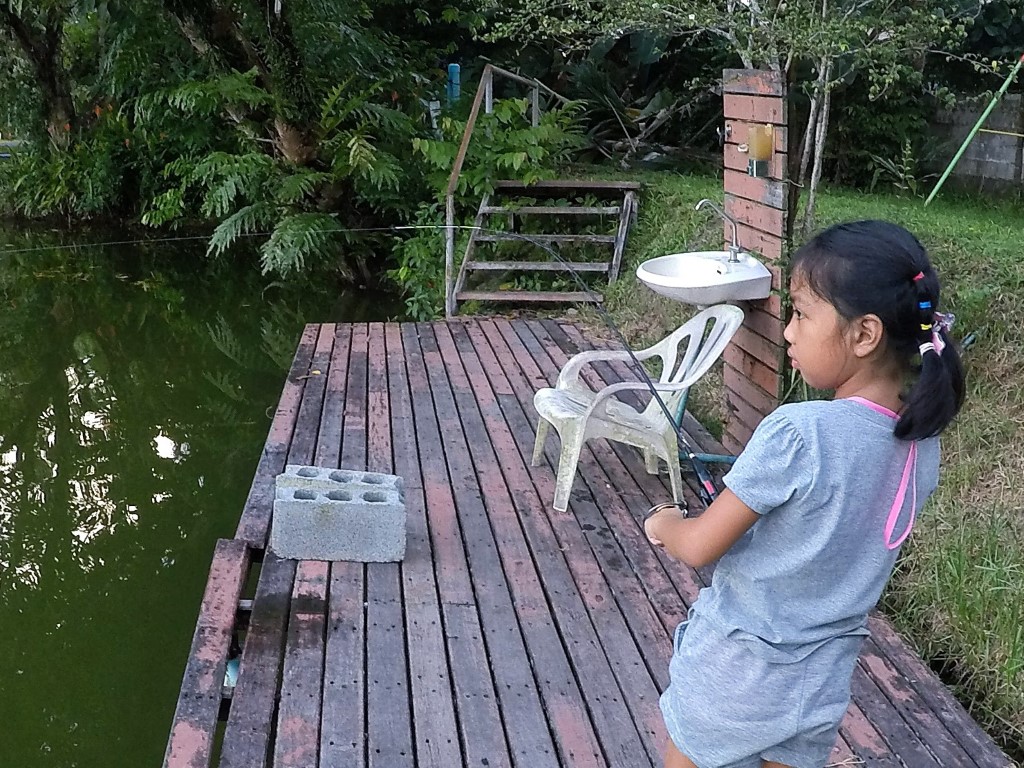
867,332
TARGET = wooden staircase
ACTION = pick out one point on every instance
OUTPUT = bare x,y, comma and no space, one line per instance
501,220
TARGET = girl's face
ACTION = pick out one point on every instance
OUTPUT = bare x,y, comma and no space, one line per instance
819,346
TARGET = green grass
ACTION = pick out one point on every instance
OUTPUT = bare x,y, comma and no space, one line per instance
958,593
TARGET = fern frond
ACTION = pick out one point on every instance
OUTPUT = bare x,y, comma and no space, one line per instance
226,384
210,97
244,221
225,340
226,177
297,238
300,184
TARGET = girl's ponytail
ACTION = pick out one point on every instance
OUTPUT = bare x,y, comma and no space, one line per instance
936,396
876,267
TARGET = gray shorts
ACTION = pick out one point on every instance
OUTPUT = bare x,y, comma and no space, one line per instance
727,707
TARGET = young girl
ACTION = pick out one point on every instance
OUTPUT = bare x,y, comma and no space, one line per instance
815,509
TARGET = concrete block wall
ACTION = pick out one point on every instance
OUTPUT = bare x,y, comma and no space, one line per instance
755,359
990,157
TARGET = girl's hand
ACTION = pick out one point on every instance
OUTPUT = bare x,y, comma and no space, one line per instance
649,526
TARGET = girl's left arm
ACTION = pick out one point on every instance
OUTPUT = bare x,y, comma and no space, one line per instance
699,541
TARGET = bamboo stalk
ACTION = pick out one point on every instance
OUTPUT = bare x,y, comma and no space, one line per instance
976,129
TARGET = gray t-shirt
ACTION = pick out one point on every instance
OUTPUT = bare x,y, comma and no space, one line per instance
823,475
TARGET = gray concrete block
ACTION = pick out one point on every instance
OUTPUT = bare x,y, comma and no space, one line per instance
363,522
325,478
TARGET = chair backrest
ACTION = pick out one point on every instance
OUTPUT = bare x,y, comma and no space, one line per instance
705,337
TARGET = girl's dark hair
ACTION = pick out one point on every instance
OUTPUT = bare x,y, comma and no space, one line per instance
878,268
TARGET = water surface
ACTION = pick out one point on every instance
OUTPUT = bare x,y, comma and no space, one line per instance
136,384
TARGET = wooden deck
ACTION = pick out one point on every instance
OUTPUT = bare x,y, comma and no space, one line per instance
511,635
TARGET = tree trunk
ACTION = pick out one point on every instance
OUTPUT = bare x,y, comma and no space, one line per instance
820,136
43,52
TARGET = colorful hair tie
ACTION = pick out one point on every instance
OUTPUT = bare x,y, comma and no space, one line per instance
925,327
919,276
924,304
927,347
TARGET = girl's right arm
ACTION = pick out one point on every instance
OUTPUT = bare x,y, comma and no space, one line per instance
700,541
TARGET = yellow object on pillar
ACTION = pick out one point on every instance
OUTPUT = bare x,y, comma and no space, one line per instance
760,143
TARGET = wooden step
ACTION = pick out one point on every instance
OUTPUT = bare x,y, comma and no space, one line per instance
572,238
532,296
563,184
555,210
540,266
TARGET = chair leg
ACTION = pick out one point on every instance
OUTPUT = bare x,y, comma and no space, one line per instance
543,425
651,461
569,457
675,475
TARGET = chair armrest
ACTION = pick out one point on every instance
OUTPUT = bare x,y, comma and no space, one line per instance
627,386
570,372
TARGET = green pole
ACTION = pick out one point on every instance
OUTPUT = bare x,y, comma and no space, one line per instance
974,131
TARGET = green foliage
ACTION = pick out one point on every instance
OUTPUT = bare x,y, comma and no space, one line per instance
902,172
420,270
504,145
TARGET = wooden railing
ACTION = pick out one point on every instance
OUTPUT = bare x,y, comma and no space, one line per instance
484,95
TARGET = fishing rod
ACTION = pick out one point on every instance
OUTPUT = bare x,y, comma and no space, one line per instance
706,489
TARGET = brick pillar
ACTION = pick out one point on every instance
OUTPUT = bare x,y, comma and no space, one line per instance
755,359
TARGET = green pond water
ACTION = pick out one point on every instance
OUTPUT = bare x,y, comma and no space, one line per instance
136,384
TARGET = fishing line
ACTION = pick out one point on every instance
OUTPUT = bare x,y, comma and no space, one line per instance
706,490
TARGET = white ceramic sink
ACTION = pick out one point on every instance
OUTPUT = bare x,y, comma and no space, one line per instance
706,277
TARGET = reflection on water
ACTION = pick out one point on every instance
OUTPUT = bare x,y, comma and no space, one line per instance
135,387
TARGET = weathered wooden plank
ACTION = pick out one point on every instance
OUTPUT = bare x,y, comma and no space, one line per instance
768,192
332,417
930,689
569,184
864,740
761,401
343,720
308,424
909,706
764,218
754,369
545,238
771,248
900,739
298,715
389,714
353,435
770,327
571,297
758,82
247,736
433,710
479,719
582,602
754,109
736,436
254,524
758,347
539,266
514,617
195,717
553,210
389,719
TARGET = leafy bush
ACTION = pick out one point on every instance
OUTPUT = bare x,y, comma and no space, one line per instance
504,145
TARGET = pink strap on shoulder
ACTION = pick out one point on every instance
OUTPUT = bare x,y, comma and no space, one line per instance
909,479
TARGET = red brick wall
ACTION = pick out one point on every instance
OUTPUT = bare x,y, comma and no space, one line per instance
754,361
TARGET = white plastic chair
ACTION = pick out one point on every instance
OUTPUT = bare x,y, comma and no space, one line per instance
579,414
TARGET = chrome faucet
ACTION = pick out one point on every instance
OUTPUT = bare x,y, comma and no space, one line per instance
734,249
